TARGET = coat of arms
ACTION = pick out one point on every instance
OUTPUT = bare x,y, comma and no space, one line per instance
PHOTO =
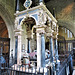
27,3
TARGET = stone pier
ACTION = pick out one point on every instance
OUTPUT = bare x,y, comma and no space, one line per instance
19,50
38,50
42,50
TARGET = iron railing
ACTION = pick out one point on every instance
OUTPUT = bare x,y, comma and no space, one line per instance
23,70
66,67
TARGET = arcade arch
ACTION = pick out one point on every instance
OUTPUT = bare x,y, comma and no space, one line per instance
5,15
28,32
65,39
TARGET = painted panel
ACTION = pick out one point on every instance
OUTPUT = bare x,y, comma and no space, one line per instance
33,11
36,16
20,20
28,12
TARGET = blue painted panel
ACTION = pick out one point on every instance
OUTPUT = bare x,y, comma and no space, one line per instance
29,12
20,20
36,16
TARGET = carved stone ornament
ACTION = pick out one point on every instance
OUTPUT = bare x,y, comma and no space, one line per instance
48,29
16,24
41,18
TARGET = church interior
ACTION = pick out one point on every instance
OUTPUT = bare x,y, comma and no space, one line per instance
37,37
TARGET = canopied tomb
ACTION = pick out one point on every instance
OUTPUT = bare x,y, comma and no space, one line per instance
33,28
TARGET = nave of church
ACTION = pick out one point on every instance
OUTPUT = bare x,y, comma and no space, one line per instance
37,37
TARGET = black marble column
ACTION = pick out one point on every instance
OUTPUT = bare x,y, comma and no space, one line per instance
56,57
51,49
28,51
16,47
17,5
56,50
42,50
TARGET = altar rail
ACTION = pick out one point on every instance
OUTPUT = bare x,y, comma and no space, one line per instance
20,70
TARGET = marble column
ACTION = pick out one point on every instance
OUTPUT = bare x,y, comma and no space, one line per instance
28,51
16,47
19,50
51,49
52,56
56,57
56,50
42,50
17,5
38,50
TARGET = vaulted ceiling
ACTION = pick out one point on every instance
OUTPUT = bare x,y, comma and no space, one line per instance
64,12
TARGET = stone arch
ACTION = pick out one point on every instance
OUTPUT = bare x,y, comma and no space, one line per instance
67,29
34,19
25,19
31,17
65,38
65,33
28,31
4,13
68,26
